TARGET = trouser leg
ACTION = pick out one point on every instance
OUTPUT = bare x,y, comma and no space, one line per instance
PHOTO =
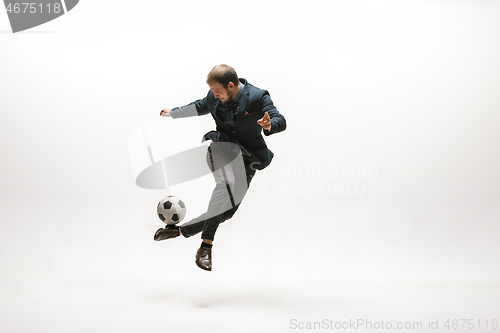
232,181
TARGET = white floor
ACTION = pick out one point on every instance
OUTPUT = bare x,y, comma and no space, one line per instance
142,306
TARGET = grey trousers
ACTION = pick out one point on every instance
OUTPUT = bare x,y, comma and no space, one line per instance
232,174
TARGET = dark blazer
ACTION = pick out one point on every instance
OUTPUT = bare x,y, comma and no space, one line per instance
247,133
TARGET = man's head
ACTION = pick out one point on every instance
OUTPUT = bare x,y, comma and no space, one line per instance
224,82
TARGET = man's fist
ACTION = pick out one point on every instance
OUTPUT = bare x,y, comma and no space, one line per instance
265,122
165,112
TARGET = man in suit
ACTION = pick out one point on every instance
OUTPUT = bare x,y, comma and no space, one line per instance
241,112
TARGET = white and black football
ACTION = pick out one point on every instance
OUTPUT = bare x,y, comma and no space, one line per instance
171,210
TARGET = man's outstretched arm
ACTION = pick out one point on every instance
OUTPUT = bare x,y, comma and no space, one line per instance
272,121
196,108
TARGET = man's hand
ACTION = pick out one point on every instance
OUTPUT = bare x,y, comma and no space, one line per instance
265,122
165,112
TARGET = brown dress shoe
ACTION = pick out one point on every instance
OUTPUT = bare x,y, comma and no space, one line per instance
204,258
170,231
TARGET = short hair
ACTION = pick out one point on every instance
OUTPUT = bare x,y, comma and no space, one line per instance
223,74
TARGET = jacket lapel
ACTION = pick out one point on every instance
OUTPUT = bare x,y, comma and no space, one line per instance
243,105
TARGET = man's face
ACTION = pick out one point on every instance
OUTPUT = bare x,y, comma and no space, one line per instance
225,95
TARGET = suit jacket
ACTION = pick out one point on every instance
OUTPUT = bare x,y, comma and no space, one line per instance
247,133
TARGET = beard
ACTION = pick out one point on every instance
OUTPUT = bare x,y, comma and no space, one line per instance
230,97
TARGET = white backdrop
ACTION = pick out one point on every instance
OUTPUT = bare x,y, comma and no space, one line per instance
386,175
